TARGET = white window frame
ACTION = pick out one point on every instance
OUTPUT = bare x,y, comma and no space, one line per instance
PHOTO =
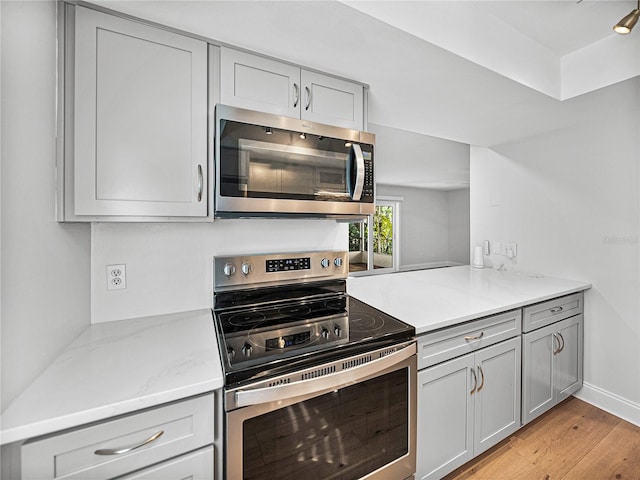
383,201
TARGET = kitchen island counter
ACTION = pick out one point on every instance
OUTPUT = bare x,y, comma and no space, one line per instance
118,367
442,297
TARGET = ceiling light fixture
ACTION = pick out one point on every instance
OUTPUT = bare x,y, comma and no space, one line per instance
625,25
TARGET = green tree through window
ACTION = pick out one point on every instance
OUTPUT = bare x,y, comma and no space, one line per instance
383,230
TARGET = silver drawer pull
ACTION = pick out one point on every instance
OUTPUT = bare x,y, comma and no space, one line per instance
470,339
556,309
120,451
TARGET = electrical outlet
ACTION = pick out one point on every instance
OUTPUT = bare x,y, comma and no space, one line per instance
116,277
511,249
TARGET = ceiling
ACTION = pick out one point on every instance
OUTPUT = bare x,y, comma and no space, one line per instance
561,26
513,70
553,47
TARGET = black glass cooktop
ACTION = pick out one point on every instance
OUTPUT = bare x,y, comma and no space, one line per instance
274,337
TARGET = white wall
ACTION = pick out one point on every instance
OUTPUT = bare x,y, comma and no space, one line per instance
170,266
459,226
424,225
422,161
570,199
434,225
45,265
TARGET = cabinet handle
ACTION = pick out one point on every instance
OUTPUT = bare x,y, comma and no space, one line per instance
561,338
296,95
482,375
200,183
121,451
555,337
308,92
475,381
470,339
556,309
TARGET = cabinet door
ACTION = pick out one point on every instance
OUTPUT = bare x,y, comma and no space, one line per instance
569,360
140,118
497,409
445,417
332,101
257,83
538,367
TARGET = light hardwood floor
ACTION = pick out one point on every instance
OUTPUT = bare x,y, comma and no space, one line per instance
574,441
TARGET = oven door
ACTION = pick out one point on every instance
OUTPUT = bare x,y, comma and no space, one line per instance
353,418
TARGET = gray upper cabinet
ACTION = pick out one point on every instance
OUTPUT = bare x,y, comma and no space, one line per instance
257,83
135,120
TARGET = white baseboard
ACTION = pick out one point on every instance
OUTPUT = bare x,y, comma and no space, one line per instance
610,402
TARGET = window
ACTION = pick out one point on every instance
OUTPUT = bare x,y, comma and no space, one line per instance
373,242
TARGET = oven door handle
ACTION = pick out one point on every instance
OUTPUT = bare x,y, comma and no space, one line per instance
245,398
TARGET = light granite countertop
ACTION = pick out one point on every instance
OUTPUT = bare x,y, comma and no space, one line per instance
118,367
438,298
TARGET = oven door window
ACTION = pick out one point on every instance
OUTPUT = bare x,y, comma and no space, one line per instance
345,434
264,162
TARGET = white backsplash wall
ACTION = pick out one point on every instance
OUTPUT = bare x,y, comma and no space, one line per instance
169,267
570,199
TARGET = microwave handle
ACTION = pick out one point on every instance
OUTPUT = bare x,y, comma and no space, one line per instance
246,398
356,159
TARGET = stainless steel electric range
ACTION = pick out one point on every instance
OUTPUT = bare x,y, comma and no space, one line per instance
317,383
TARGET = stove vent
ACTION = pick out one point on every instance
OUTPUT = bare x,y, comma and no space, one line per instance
320,372
356,362
388,351
280,381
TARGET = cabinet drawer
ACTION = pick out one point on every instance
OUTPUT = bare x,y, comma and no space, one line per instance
546,313
194,466
122,445
451,342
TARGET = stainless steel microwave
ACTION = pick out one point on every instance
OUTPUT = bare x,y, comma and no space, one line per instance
268,165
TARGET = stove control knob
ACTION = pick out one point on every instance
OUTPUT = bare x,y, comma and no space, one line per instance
231,353
229,269
337,330
337,262
324,262
246,268
324,333
247,350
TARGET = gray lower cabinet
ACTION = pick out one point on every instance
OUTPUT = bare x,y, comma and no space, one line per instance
552,365
480,381
466,405
169,442
135,121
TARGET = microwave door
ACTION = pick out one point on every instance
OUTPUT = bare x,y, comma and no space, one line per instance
295,172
